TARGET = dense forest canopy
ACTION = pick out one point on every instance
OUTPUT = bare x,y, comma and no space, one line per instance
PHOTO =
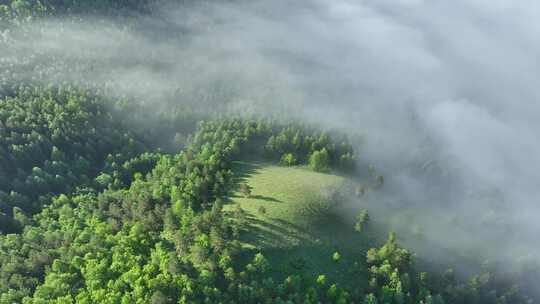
119,179
166,239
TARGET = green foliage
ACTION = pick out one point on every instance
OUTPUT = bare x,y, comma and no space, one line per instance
392,276
101,221
336,256
18,11
54,141
297,144
288,159
137,227
113,234
319,161
25,10
154,238
370,299
362,220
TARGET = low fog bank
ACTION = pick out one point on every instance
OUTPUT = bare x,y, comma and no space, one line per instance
444,94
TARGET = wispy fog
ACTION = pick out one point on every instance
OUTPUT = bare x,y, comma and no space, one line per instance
444,93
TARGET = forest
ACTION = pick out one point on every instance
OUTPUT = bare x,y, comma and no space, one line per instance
105,198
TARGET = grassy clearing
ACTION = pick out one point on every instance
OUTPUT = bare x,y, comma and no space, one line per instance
299,230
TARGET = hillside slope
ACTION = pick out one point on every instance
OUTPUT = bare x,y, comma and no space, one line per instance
292,221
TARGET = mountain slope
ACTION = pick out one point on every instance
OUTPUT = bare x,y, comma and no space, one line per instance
291,219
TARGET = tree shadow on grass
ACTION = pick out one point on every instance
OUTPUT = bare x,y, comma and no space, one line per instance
257,197
290,225
259,231
243,170
266,198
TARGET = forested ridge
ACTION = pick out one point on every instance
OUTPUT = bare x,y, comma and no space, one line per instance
104,201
